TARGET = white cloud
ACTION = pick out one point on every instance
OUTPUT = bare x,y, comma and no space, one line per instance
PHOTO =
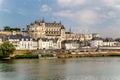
110,31
112,14
66,14
2,9
1,1
108,15
112,3
5,10
45,8
84,17
89,17
22,12
70,3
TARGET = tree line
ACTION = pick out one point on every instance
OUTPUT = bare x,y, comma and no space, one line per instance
8,28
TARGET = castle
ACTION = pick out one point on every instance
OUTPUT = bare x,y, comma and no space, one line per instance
41,29
43,35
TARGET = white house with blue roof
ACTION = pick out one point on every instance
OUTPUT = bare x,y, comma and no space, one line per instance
44,43
23,42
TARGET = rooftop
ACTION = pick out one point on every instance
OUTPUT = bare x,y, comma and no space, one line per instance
55,24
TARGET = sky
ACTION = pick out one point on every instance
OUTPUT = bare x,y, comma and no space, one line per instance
82,16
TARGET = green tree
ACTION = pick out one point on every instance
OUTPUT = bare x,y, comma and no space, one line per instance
7,28
6,49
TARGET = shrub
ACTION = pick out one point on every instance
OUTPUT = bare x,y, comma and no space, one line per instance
47,55
6,49
25,56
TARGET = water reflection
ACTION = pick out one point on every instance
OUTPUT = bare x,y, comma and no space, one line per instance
61,69
6,61
4,67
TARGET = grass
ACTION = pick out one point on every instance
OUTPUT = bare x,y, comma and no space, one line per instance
114,55
47,55
88,55
31,56
25,56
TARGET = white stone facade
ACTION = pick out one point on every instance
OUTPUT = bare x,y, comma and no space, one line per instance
70,44
49,44
28,44
41,29
23,42
81,37
100,42
96,43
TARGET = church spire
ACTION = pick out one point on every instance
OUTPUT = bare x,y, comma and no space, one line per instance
70,30
60,21
43,20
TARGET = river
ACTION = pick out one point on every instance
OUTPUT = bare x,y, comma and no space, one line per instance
104,68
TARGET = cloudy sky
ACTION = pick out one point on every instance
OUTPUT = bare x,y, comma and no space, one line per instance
83,16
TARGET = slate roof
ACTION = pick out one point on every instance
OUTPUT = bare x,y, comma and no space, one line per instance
68,32
71,41
14,37
108,40
37,22
97,38
45,39
20,37
62,27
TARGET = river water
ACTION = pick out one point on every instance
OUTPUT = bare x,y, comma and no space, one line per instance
106,68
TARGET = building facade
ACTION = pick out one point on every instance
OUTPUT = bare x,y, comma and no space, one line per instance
70,44
8,33
96,42
41,29
23,42
99,42
80,37
44,43
28,43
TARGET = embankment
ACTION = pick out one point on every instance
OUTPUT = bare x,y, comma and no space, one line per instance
110,54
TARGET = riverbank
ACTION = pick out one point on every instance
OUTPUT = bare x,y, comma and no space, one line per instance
44,54
110,54
65,55
25,56
33,56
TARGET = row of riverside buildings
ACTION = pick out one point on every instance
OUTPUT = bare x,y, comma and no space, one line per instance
43,35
